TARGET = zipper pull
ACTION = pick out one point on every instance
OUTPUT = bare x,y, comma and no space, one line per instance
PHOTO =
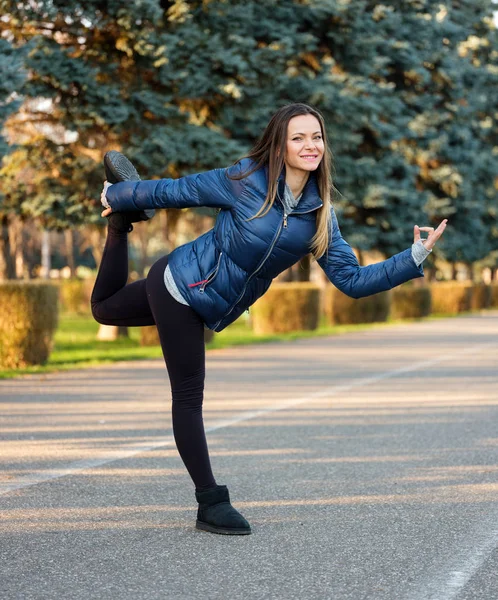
285,221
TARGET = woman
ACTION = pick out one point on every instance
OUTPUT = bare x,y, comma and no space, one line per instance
275,209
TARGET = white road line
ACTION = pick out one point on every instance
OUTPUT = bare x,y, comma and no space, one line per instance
465,562
130,450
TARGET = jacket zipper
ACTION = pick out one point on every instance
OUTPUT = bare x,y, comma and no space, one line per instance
211,276
260,266
258,269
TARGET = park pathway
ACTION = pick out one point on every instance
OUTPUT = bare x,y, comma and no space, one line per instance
366,463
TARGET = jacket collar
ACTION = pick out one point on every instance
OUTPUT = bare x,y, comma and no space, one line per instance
310,199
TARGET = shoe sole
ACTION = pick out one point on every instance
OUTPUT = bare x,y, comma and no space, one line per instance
222,530
119,168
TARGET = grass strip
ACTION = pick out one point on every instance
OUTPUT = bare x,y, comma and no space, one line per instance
76,346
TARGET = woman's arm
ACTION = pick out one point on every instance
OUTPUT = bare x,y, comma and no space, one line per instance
343,270
212,188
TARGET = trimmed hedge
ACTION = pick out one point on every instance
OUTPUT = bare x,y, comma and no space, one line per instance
481,296
75,295
340,309
28,319
494,295
451,297
293,306
408,302
150,337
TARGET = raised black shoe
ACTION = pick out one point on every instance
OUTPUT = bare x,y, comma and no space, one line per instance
118,168
217,515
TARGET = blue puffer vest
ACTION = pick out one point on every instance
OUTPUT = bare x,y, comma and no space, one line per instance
224,271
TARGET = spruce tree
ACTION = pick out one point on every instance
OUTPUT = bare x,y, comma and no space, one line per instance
11,67
405,106
407,90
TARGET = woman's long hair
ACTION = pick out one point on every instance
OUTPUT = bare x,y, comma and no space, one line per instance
270,151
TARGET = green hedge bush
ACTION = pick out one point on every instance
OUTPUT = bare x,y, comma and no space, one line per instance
75,295
286,307
28,319
409,302
340,309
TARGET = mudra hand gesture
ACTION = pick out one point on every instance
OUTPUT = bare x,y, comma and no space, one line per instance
432,238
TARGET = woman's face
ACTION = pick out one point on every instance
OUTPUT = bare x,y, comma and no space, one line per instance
304,143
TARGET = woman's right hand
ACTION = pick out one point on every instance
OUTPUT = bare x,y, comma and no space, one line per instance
103,200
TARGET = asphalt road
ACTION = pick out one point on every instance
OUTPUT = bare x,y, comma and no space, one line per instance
367,465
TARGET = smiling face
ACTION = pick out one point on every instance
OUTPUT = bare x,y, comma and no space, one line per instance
305,146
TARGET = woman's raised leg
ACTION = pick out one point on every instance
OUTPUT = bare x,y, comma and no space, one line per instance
114,301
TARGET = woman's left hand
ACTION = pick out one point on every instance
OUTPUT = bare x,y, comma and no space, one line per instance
106,212
434,234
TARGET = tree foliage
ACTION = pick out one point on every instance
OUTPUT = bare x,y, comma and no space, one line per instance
407,89
11,67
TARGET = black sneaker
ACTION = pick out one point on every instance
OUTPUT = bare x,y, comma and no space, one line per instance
119,168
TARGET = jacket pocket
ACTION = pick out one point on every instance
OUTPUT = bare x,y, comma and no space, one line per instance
210,277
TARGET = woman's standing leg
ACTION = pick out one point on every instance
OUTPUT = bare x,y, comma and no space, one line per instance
181,332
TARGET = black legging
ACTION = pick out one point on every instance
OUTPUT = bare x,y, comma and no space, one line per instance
181,332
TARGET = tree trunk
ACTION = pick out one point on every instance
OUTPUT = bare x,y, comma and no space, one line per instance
286,275
20,263
430,276
470,271
303,269
9,265
454,271
162,215
45,255
69,243
361,260
30,249
96,240
143,238
173,218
